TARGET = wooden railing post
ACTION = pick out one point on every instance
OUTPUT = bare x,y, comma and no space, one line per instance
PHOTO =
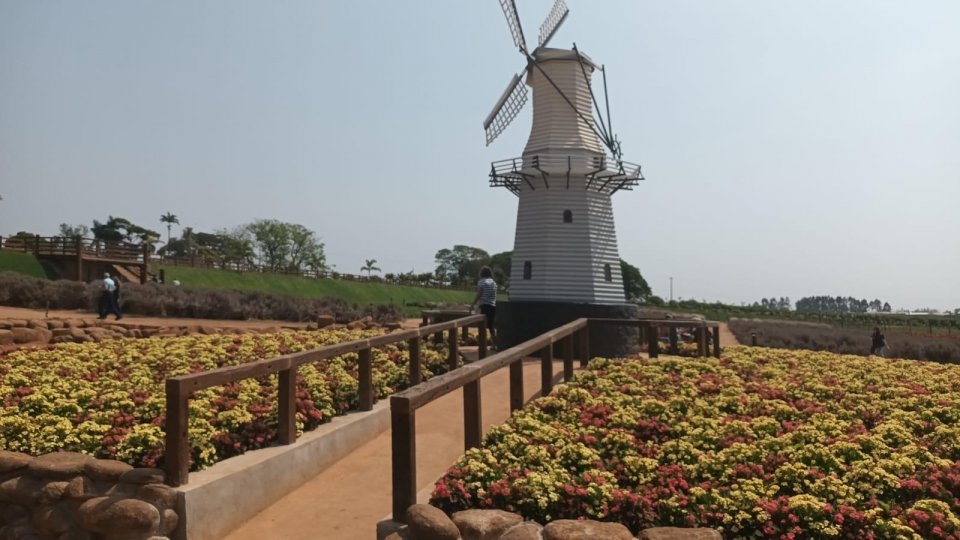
584,346
36,244
177,449
78,244
482,339
365,374
753,339
716,341
472,417
653,342
415,371
404,456
567,346
454,349
546,369
702,341
287,406
674,349
516,385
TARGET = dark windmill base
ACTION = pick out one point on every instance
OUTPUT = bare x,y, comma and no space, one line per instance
519,321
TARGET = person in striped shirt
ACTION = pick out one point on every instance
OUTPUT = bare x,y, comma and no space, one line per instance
487,297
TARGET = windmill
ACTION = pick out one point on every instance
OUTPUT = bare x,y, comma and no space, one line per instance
565,248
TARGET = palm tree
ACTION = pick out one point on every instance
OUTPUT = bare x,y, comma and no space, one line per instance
169,219
370,266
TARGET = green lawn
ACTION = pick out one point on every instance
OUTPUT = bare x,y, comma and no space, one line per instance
360,293
22,263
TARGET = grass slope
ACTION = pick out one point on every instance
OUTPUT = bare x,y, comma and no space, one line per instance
22,263
360,293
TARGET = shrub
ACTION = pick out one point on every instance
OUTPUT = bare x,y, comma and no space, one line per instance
167,301
824,337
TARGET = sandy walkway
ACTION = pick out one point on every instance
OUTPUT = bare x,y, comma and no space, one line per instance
348,499
28,314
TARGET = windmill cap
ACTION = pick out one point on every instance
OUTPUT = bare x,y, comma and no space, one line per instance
545,54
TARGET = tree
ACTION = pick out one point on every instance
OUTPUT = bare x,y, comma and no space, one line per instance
635,287
460,265
500,264
287,246
370,265
236,246
72,231
170,219
887,308
117,229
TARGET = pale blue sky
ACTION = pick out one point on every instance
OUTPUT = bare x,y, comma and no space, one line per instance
791,148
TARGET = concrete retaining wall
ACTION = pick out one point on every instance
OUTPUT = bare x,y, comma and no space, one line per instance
223,497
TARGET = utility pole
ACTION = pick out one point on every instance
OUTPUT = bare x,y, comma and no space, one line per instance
671,288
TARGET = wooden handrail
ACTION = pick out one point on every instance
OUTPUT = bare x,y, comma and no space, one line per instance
574,338
179,388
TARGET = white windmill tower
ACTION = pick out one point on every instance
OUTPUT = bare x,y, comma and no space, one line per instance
565,261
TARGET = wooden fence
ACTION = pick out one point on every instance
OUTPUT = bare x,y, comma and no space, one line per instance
62,246
573,339
179,388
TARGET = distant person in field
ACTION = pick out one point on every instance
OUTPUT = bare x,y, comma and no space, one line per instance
878,342
106,297
487,297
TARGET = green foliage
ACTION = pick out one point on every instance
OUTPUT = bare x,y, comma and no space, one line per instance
460,265
117,229
70,231
370,266
287,246
351,291
635,287
21,263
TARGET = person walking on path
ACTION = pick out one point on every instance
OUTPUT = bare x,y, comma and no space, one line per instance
487,297
878,342
116,297
107,300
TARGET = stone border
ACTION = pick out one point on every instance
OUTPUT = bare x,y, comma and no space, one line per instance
71,496
425,522
219,499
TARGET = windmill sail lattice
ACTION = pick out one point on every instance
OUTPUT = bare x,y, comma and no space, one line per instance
513,21
553,21
506,109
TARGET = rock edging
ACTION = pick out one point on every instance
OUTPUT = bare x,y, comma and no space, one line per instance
71,496
426,522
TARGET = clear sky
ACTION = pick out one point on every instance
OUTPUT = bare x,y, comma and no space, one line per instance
792,148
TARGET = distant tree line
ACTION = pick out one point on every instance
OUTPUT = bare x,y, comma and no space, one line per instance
839,304
774,304
266,243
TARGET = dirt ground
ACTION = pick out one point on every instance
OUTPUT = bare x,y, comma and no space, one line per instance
28,314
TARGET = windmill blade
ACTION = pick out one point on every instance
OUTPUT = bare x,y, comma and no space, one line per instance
506,109
558,14
513,21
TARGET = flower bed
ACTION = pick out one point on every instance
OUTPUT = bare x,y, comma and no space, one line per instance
762,443
107,399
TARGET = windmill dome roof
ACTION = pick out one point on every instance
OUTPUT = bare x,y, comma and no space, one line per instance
544,54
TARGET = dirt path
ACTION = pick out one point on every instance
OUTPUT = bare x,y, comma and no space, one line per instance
348,499
29,314
727,339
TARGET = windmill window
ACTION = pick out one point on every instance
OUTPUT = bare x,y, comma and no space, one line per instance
607,272
567,216
527,270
